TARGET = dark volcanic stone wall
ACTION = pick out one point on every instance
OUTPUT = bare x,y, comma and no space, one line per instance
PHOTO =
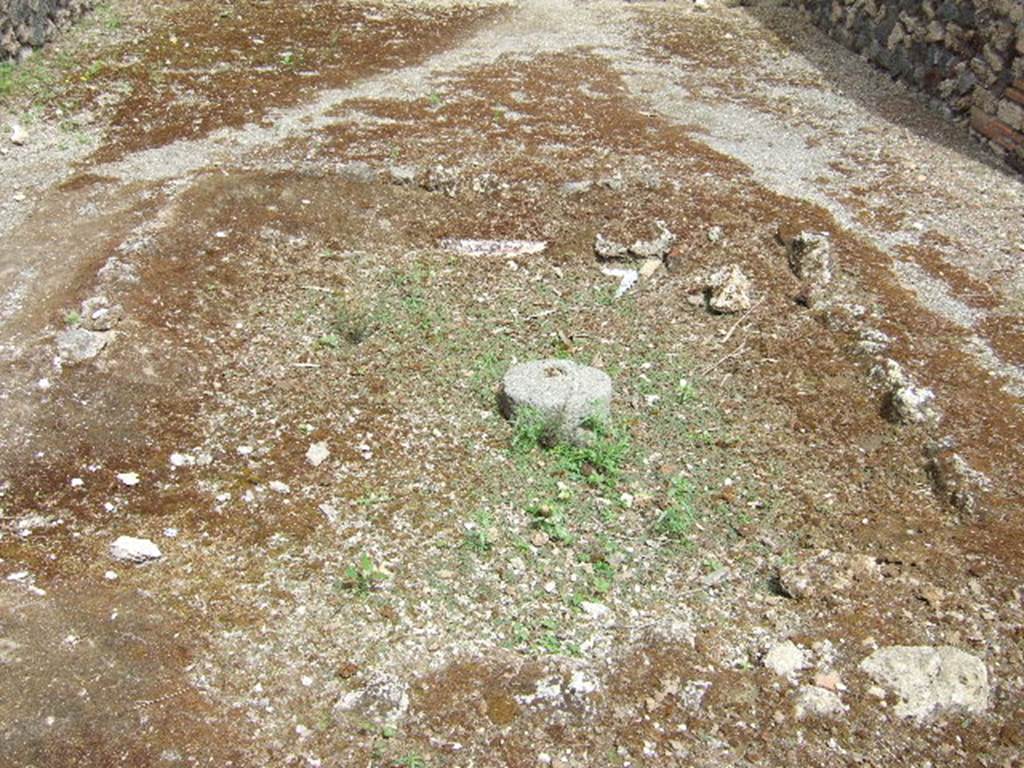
969,54
27,24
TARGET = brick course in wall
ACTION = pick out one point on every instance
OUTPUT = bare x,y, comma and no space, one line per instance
967,54
28,24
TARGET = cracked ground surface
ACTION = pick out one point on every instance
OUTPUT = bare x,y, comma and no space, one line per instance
265,192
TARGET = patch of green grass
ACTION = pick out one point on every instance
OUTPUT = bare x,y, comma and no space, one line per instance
480,537
346,325
685,392
416,307
484,378
363,576
109,16
678,519
603,579
72,319
411,760
93,71
599,462
551,641
530,430
6,78
549,516
329,341
351,323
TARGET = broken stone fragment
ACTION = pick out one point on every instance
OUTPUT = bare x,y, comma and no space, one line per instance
810,257
577,187
358,171
402,175
656,248
957,483
649,267
487,183
384,701
826,575
814,701
907,402
18,135
786,659
77,345
609,249
442,179
627,279
99,315
504,248
568,400
930,680
318,453
129,549
728,290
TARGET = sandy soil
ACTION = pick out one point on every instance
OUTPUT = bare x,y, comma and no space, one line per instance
265,195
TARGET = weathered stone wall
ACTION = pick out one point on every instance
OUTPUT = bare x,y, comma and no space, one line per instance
969,54
27,24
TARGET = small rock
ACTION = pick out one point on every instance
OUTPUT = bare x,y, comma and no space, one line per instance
812,701
442,179
577,187
650,179
830,681
565,396
627,279
582,684
729,290
956,482
609,249
614,183
810,257
99,315
383,701
402,175
132,550
828,575
595,611
487,183
715,577
907,402
278,487
318,453
130,479
930,680
76,345
715,235
18,134
503,248
649,267
656,248
786,659
179,460
358,171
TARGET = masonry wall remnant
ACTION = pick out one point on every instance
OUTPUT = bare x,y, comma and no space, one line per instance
28,24
968,54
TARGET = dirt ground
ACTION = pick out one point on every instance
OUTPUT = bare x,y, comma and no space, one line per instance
362,563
